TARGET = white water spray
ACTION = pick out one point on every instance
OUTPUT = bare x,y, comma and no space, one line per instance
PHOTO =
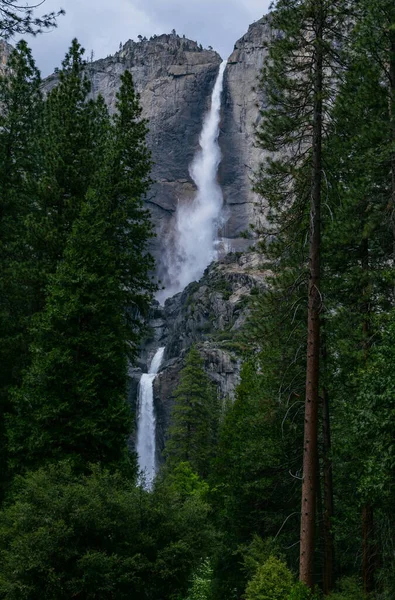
146,422
197,223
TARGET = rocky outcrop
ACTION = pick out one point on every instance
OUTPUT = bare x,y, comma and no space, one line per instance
5,51
243,101
210,313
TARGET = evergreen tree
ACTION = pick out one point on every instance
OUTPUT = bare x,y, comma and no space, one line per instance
359,255
298,79
124,182
21,103
99,536
72,402
74,134
253,493
194,418
18,18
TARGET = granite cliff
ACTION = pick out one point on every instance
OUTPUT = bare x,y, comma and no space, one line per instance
175,77
210,313
242,103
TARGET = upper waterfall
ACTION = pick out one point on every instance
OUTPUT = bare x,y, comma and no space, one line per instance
197,222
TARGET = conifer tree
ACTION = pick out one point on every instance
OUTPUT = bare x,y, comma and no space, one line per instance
21,103
359,237
124,181
298,79
74,132
194,418
18,17
72,403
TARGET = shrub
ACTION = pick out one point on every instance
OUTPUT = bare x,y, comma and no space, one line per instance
272,581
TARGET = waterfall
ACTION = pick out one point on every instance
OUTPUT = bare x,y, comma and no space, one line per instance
146,430
197,223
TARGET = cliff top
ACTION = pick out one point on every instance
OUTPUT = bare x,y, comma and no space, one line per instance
178,49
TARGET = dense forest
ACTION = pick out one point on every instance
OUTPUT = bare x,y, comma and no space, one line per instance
286,492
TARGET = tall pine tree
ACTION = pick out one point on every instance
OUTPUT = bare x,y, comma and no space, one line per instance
21,102
72,403
299,81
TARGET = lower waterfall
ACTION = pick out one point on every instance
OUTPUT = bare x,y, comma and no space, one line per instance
146,430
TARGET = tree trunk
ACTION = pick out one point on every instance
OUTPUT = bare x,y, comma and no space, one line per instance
328,569
309,485
392,122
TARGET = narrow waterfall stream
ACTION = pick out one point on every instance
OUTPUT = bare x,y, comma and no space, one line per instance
196,236
146,431
197,222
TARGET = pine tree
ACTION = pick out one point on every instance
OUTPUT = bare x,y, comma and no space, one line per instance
125,181
19,18
72,403
194,418
299,83
73,139
252,491
359,239
21,103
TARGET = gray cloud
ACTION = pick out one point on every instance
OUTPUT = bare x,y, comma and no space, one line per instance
100,25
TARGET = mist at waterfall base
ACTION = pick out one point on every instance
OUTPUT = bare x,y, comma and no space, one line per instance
197,223
146,422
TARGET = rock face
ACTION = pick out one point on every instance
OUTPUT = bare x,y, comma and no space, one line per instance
5,51
174,77
243,100
210,313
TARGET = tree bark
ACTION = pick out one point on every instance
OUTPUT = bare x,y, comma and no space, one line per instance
392,124
310,453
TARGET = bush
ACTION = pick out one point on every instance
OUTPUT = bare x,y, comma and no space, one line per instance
272,581
99,536
201,588
348,589
301,592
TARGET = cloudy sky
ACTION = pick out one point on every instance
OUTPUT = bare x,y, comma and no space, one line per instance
100,25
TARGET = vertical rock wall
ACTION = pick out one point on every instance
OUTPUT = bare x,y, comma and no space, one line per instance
243,101
174,77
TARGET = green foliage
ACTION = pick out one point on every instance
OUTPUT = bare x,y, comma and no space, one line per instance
185,481
73,137
72,402
194,418
98,536
201,587
272,581
300,592
252,491
257,553
21,107
348,589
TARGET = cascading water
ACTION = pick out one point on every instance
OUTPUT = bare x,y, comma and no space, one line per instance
196,236
197,223
146,430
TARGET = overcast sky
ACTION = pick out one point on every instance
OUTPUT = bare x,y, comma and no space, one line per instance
100,25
